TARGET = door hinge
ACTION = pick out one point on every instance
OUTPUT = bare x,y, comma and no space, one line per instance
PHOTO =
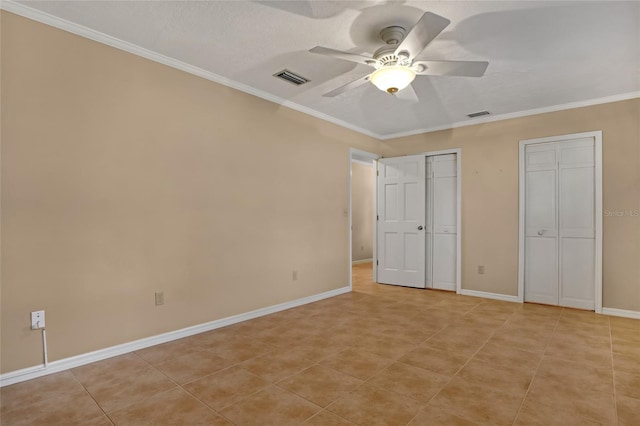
377,172
377,263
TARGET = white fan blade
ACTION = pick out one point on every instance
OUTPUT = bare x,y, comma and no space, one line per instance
408,94
343,55
348,86
453,68
425,30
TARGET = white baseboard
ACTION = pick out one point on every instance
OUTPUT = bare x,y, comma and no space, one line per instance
621,313
87,358
357,262
487,295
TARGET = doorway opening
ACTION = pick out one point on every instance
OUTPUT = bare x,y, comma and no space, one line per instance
362,210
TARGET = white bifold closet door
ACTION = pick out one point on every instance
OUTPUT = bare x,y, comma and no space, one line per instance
401,216
560,223
441,209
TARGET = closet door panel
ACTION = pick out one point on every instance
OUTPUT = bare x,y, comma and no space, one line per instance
445,210
541,224
577,273
541,270
577,223
444,262
577,216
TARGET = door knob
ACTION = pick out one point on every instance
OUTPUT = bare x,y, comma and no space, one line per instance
541,232
420,228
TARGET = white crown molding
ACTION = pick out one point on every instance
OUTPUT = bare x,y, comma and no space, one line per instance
71,27
501,117
87,358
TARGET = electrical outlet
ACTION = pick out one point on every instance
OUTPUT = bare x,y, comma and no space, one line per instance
294,275
159,298
481,269
37,320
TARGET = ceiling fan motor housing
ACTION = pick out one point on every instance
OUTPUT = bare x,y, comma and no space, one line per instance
386,56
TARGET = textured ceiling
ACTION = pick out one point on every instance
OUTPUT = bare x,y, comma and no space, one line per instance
541,54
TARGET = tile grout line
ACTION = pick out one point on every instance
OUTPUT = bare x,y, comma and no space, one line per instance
149,366
269,383
461,368
323,409
524,398
207,405
364,384
181,386
84,388
239,365
364,381
316,364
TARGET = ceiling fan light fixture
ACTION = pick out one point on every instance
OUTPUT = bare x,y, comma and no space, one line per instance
392,79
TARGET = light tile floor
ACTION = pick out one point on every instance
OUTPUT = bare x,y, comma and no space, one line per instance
381,355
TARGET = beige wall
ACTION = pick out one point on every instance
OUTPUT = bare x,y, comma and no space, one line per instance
490,193
362,188
122,177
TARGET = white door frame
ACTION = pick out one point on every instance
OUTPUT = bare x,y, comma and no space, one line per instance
458,152
597,136
359,155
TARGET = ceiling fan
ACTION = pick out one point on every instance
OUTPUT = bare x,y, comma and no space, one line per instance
395,64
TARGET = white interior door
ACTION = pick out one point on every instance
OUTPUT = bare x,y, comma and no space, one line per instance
401,216
442,221
560,223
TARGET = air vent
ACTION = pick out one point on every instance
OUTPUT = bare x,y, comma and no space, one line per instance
478,114
291,77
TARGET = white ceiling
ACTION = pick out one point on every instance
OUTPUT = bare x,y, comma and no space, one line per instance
541,54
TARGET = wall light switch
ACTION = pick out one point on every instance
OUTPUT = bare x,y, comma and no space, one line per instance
159,298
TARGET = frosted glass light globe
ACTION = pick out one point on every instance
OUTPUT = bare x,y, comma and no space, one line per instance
392,78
